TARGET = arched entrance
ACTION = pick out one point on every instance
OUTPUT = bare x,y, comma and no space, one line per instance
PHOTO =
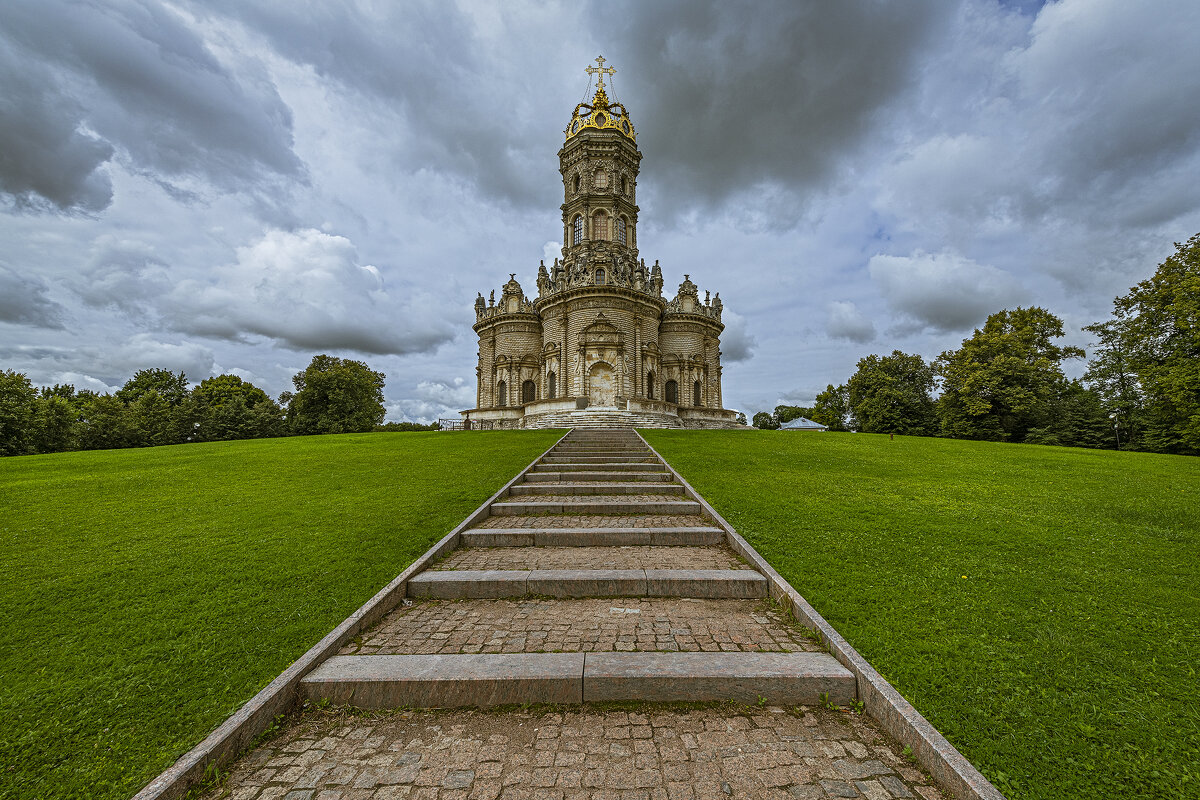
602,390
672,389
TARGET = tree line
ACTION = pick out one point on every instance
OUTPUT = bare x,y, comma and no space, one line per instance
156,407
1141,389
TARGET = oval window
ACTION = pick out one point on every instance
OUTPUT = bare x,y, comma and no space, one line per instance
600,120
575,127
625,125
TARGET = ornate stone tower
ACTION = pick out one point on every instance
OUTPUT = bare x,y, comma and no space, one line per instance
599,344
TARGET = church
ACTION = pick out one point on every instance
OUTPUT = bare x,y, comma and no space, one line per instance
600,345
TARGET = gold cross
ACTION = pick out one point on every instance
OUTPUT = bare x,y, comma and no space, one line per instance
603,70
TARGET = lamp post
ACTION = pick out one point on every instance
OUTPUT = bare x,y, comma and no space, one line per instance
1115,417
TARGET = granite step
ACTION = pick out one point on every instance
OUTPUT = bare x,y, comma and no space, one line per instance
705,583
619,557
608,466
621,458
613,476
597,504
427,681
583,625
592,537
584,489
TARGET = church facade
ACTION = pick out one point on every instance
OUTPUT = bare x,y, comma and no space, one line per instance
599,344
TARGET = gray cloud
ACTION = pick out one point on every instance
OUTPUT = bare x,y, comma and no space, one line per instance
943,291
844,321
738,98
24,301
123,274
306,290
132,79
737,343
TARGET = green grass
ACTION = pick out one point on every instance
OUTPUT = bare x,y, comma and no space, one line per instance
147,594
1039,605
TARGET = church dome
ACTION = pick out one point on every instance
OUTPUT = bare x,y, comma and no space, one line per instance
601,114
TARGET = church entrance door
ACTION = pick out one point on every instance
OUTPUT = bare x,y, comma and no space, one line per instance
602,390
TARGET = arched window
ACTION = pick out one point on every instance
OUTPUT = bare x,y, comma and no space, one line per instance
529,391
650,385
599,277
600,179
577,182
502,394
624,186
550,386
672,392
696,394
621,235
600,225
577,234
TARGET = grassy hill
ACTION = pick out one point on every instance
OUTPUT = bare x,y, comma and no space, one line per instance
147,594
1040,605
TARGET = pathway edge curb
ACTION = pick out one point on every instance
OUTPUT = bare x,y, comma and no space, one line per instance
236,733
881,700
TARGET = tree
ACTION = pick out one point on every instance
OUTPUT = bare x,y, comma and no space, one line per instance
1156,336
832,408
17,414
765,421
55,421
892,394
171,387
788,413
1111,376
335,395
227,407
104,422
741,418
1003,381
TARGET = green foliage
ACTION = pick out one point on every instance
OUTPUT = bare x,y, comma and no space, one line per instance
741,418
1004,380
171,387
17,414
54,423
832,408
407,426
765,421
227,407
105,423
891,394
149,593
1039,605
1155,336
335,395
788,413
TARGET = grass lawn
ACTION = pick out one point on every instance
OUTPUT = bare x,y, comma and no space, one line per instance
1039,605
147,594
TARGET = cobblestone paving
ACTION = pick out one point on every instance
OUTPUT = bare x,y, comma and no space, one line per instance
587,625
653,753
632,557
599,521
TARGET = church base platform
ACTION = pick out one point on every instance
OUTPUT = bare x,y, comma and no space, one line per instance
575,413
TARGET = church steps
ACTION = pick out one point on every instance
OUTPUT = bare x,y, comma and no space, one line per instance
491,679
592,537
635,488
630,505
494,583
613,476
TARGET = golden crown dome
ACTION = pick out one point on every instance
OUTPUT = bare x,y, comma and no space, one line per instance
601,114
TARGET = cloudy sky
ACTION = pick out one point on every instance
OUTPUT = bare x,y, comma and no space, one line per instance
234,186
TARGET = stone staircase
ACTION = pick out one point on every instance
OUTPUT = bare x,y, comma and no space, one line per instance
595,579
601,418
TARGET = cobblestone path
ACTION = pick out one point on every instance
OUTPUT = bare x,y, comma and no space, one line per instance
611,590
